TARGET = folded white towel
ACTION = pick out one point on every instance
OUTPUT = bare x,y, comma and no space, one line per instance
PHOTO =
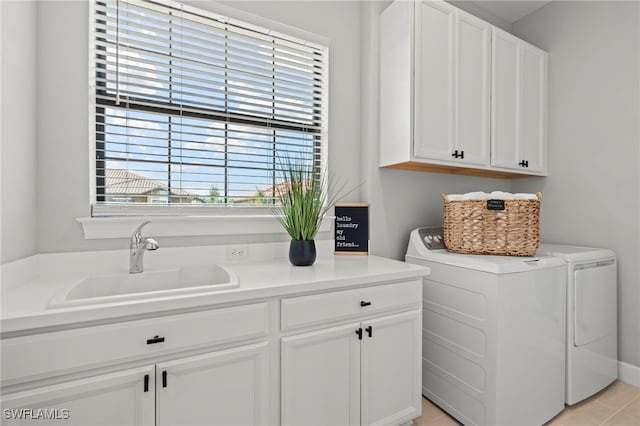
495,195
522,196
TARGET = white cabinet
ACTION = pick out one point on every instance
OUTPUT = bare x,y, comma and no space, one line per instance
448,104
365,372
208,367
123,398
220,388
391,369
41,356
227,387
519,72
451,106
434,96
341,357
321,377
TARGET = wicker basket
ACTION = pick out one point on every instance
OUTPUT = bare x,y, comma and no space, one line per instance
470,227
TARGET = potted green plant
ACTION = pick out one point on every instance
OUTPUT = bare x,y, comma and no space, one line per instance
302,200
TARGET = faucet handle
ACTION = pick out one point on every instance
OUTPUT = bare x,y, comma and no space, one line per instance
137,234
151,244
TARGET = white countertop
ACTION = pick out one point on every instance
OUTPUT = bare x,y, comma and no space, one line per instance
29,284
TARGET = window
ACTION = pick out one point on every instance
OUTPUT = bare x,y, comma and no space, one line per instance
195,109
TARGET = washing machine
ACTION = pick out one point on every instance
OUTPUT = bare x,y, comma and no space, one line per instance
493,333
592,331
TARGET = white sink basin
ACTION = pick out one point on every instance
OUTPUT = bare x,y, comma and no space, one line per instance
122,286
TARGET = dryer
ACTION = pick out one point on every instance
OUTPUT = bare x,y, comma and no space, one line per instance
493,333
592,331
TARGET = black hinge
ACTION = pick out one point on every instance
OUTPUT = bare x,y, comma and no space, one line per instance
146,383
359,333
369,331
164,379
156,339
363,303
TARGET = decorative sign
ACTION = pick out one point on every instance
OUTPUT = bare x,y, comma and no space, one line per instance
352,228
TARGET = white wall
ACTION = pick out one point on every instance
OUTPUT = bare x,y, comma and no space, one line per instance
592,194
63,147
18,129
400,201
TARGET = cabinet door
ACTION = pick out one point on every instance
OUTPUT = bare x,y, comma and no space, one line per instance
321,377
473,65
228,387
112,399
434,114
505,117
534,108
519,104
391,369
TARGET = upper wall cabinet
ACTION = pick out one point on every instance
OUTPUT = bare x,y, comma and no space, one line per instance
519,99
451,105
436,86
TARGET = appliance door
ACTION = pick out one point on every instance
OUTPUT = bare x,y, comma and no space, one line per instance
595,292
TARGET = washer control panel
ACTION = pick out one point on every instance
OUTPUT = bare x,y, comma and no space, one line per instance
432,237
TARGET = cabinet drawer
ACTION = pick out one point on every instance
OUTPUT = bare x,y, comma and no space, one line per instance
41,355
338,305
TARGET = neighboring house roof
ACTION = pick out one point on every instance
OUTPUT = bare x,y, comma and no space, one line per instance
267,192
121,181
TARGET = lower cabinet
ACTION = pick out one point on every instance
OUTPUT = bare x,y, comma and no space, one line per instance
228,387
220,388
360,373
334,358
122,398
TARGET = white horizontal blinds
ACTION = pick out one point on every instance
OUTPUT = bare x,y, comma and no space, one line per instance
197,108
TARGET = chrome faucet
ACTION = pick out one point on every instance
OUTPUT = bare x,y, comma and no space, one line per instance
137,247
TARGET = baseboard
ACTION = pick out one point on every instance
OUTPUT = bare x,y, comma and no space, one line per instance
629,373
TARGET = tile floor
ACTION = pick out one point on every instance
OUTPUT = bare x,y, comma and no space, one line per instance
616,405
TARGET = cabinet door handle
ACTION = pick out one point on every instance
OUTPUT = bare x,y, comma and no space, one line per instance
146,383
155,339
457,154
359,333
164,379
363,303
524,163
369,330
461,154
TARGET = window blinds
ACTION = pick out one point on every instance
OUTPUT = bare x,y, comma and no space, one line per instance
194,108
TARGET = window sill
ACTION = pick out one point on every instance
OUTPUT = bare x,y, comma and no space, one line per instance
185,226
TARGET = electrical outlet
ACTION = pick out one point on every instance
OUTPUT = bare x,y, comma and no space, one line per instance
237,252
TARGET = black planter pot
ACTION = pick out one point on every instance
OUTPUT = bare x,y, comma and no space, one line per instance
302,252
